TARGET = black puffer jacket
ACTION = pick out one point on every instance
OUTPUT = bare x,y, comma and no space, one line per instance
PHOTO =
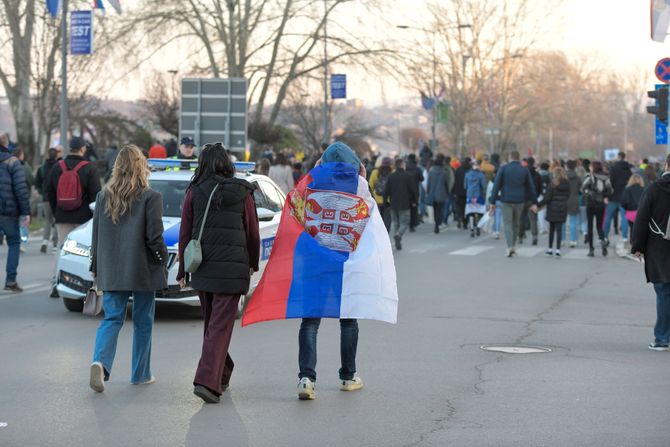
556,200
655,204
14,196
225,257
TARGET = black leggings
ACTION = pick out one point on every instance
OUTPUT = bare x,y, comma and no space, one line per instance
557,229
438,213
597,211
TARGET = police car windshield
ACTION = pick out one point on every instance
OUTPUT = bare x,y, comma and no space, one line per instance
173,192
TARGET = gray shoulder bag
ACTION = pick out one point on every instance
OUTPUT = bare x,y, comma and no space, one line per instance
193,251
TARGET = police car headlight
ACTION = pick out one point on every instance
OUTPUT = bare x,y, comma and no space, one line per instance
75,248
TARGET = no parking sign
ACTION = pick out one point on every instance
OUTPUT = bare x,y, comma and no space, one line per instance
663,70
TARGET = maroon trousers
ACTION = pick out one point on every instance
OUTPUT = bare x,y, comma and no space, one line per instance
216,366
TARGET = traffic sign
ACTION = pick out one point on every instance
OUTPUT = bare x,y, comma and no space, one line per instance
662,70
81,32
338,86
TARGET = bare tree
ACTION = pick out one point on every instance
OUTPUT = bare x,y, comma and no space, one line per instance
162,103
271,43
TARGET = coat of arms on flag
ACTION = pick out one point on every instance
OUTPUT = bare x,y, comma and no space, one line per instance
332,255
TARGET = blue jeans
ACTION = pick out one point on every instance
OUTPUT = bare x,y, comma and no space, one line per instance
497,215
10,227
662,328
447,209
582,219
612,209
573,220
114,305
307,347
422,201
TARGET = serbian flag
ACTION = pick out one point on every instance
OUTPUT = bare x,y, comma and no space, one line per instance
332,255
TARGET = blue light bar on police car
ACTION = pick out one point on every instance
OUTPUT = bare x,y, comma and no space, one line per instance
167,163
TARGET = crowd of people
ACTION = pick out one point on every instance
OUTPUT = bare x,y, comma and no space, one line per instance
570,200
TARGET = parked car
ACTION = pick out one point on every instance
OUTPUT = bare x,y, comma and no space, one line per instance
73,278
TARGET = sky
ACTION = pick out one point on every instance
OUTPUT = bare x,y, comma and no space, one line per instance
615,34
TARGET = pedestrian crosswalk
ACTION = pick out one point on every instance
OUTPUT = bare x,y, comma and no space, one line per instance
521,252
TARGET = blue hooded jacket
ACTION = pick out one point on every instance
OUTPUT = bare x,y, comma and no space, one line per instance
14,196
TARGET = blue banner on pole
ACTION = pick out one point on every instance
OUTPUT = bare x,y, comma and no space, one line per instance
661,129
81,32
338,86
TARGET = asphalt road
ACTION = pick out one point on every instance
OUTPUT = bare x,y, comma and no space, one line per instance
428,383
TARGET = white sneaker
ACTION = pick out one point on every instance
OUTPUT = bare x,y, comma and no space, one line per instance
97,380
352,385
306,389
549,252
497,236
573,244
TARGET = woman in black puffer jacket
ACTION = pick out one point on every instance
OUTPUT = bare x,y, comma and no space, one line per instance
556,201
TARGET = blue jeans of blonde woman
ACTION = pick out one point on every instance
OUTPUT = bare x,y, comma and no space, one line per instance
114,305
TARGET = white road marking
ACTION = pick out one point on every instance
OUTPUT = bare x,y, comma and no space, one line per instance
576,253
34,288
3,424
472,250
528,252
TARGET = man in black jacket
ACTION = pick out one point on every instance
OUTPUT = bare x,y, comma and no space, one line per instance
14,207
620,173
651,239
402,196
417,177
41,181
68,220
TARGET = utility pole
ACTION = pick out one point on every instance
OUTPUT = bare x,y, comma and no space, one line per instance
63,88
326,126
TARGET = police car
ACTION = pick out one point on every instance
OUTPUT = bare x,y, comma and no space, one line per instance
171,178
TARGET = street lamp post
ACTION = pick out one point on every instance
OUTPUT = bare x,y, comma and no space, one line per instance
63,87
326,124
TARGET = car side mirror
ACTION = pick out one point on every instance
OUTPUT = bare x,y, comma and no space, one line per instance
265,215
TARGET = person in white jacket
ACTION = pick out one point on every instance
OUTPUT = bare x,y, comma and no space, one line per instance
282,174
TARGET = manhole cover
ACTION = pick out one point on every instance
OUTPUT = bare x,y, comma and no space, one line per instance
515,349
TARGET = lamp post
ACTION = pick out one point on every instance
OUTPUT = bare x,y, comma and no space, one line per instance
433,139
63,86
326,123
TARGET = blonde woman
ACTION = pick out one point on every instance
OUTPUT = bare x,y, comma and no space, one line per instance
128,257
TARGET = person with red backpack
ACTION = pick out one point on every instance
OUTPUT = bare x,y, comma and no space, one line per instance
73,184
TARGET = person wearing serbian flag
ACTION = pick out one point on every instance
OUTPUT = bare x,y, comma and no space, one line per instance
332,258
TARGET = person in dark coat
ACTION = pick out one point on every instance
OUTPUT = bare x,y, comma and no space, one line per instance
417,176
128,257
596,189
14,209
438,190
41,181
230,254
630,200
401,196
573,201
460,193
515,185
68,220
651,239
620,173
528,214
556,200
